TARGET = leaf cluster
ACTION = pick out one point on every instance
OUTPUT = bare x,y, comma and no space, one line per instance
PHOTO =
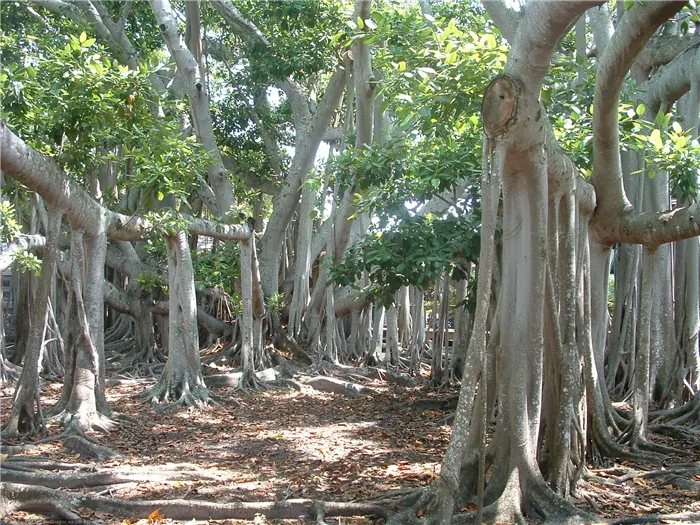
10,228
77,105
413,252
218,268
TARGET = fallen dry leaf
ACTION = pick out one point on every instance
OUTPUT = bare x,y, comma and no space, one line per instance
155,516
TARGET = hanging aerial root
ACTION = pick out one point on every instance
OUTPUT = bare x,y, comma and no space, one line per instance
26,418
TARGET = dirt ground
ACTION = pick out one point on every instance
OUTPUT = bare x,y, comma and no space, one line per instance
282,444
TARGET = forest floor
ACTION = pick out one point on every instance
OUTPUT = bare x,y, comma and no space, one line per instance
278,444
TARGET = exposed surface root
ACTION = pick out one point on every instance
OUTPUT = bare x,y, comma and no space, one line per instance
336,386
446,404
680,476
689,517
680,433
24,473
42,499
88,449
77,480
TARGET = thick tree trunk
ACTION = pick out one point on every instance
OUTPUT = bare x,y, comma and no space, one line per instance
26,417
83,404
181,381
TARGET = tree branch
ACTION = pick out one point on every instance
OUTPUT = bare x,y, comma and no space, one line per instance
652,229
126,9
242,27
42,175
189,72
673,80
542,26
661,50
633,31
506,19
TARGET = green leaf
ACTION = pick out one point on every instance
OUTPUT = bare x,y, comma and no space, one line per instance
641,109
489,40
83,37
655,139
360,22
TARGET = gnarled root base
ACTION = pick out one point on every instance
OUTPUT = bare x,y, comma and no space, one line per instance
81,421
26,419
511,506
183,391
18,497
250,381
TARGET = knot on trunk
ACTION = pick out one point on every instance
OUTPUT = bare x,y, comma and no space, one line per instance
499,107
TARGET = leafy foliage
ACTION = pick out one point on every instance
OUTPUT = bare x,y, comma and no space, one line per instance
218,268
74,103
416,251
9,227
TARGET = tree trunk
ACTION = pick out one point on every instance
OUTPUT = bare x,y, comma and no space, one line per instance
181,381
26,417
83,404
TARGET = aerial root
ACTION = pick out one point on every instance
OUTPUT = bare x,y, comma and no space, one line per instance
689,517
677,432
9,372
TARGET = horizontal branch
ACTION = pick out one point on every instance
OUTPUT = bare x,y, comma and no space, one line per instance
661,50
673,80
41,174
652,229
211,323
